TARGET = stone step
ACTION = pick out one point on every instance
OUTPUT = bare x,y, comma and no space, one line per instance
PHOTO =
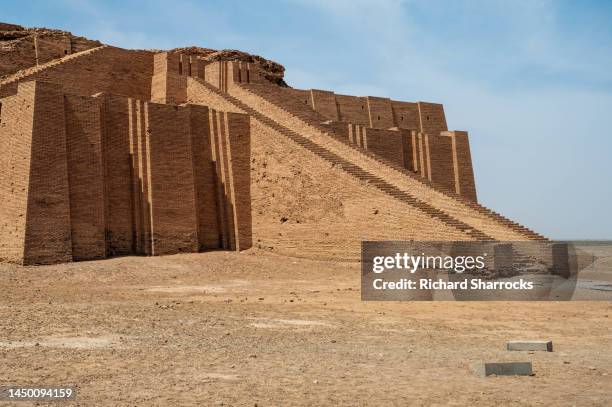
357,171
479,208
504,369
544,346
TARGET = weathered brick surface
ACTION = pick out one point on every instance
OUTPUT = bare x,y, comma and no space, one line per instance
204,173
342,129
16,124
90,177
141,239
380,112
303,206
439,161
223,74
353,109
324,102
432,118
85,176
239,163
48,48
223,191
462,211
368,121
406,115
47,234
172,191
101,161
214,74
106,69
169,82
117,175
21,56
462,159
409,149
38,47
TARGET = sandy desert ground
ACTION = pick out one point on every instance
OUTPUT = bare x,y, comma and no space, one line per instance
259,329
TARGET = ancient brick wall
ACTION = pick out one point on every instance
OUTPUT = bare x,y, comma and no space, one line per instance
197,67
19,56
369,111
169,82
172,194
204,173
356,135
238,146
380,112
111,70
90,177
406,115
478,220
386,143
47,48
324,102
220,74
199,94
423,152
465,184
432,118
117,175
293,99
410,149
47,236
171,72
254,74
339,128
85,176
213,74
313,237
304,207
187,196
16,123
221,178
159,79
393,145
22,48
353,109
422,155
439,160
138,179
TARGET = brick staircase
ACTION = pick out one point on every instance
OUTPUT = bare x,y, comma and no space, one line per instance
359,172
25,73
261,97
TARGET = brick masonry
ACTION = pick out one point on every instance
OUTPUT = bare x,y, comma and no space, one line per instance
111,152
90,177
37,46
377,116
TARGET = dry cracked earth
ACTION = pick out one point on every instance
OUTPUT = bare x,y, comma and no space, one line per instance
260,329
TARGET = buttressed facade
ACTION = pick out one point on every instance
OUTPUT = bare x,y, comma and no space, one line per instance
106,151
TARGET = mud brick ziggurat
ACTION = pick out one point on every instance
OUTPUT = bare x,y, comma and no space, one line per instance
106,151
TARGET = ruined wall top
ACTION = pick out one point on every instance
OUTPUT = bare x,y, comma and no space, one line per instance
272,71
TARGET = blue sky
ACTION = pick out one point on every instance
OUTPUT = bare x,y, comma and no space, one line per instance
530,80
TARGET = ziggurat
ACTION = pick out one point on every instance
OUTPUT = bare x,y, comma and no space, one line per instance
106,151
